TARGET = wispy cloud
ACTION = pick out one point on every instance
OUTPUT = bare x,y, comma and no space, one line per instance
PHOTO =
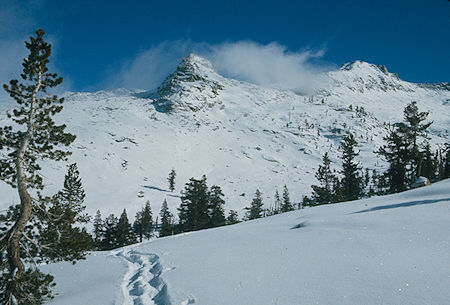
269,65
149,67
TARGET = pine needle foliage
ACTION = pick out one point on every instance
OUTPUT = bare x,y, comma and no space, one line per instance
166,220
256,209
351,183
39,229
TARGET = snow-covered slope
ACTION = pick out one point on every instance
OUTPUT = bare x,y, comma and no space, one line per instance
241,136
386,250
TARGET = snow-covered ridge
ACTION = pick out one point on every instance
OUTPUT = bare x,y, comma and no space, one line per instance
240,135
362,76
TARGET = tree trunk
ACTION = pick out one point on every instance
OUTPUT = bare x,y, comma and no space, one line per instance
17,268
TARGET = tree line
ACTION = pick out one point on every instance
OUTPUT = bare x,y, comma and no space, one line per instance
201,207
406,150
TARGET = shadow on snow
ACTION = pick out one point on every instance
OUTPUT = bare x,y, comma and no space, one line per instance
402,205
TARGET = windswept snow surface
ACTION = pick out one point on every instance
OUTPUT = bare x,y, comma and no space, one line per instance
384,250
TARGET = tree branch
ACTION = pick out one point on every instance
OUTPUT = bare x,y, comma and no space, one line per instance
37,243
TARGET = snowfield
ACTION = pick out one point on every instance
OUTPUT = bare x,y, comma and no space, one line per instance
383,250
240,135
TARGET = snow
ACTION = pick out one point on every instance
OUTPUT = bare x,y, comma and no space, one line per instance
241,136
96,280
383,250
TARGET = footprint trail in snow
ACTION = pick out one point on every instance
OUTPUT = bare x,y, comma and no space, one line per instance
142,284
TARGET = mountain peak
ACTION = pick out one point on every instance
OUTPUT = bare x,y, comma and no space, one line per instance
186,88
361,76
359,65
196,65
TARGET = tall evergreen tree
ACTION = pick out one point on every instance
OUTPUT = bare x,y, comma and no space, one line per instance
277,203
287,204
412,129
366,181
351,182
72,195
396,151
63,232
323,194
171,180
99,228
124,233
428,163
166,220
34,136
143,224
256,208
372,184
109,240
193,210
337,193
216,202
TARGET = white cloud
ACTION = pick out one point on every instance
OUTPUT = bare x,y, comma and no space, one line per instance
148,68
269,65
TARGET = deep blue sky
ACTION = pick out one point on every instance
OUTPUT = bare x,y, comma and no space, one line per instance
96,39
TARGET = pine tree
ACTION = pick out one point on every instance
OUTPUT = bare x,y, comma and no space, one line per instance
99,228
337,194
109,240
352,180
287,204
216,202
323,194
232,218
193,210
366,182
277,203
372,185
72,195
396,152
412,129
166,220
256,208
61,230
143,224
124,233
39,138
428,163
171,180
